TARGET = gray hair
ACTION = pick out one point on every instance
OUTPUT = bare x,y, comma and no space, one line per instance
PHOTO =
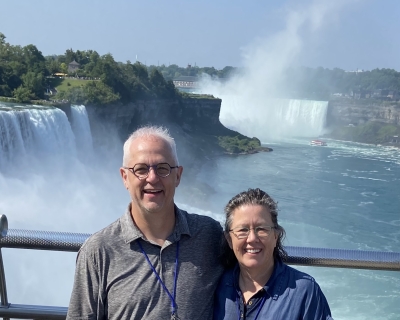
146,132
252,197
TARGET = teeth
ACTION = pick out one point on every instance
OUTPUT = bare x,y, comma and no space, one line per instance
253,250
152,191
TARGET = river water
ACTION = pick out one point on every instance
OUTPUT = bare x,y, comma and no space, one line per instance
345,195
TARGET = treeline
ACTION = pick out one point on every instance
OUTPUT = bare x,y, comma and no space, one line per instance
173,71
124,82
371,132
303,82
309,83
22,71
25,74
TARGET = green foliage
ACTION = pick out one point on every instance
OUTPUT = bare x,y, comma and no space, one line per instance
22,94
371,132
161,88
34,83
21,66
239,144
320,83
93,92
96,92
63,67
186,95
61,84
173,71
74,95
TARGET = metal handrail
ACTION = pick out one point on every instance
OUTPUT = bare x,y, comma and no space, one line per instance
71,242
306,256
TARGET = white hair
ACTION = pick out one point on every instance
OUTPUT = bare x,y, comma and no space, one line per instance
150,131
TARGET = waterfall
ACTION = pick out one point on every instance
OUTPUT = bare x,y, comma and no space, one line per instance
81,128
33,135
274,119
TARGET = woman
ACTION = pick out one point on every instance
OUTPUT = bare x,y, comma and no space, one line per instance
257,284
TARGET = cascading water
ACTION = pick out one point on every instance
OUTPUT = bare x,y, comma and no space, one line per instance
274,119
33,134
81,128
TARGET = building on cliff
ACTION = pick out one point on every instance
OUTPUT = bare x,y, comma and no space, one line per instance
186,82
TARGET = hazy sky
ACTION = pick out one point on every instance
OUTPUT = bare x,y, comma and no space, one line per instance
360,34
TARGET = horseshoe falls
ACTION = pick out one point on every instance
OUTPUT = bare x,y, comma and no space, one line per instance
274,119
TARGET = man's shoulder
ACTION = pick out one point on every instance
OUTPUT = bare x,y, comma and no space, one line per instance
201,221
104,237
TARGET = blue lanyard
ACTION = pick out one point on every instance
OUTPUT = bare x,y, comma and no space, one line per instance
173,303
259,308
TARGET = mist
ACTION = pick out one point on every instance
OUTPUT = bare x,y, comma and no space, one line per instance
256,101
54,181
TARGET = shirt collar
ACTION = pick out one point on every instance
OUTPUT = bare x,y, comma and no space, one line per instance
273,284
130,232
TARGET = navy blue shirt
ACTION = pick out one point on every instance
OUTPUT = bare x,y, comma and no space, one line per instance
289,295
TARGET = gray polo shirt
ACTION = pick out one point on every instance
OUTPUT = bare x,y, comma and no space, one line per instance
113,279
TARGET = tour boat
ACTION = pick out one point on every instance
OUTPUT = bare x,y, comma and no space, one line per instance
318,143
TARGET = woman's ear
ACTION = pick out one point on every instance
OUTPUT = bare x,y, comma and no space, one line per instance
277,233
228,239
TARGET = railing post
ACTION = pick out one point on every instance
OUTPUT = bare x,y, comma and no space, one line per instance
3,287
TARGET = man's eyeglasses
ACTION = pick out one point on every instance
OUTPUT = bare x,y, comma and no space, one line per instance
260,231
141,170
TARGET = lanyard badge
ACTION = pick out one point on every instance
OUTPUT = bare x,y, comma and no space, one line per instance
173,295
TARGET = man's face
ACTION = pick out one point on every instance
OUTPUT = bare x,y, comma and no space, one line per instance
152,194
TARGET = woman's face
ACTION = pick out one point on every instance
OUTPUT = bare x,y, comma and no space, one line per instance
253,253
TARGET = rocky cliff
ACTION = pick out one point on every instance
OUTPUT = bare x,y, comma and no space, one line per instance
193,115
193,122
351,111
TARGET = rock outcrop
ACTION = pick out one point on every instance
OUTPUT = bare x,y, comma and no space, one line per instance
350,111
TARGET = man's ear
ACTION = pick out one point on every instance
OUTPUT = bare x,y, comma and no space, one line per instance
228,239
124,177
179,171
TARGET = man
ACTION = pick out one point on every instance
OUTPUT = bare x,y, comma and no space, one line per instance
156,261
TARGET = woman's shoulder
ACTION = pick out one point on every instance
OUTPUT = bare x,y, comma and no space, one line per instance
302,280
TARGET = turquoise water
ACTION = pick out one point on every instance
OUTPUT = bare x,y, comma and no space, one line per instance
344,196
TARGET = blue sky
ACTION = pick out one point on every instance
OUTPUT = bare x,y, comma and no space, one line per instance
349,34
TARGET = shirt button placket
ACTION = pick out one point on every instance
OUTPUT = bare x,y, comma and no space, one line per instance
162,267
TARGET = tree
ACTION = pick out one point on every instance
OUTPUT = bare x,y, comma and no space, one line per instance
2,39
22,94
34,82
34,59
63,67
161,88
69,56
96,92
